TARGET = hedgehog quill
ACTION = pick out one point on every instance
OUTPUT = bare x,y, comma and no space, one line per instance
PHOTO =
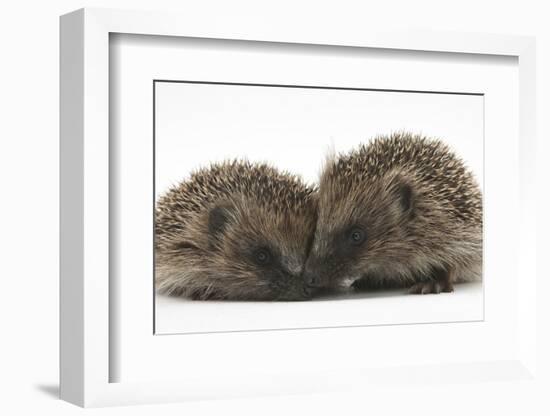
235,230
401,211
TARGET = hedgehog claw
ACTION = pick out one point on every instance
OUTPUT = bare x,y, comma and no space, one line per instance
424,288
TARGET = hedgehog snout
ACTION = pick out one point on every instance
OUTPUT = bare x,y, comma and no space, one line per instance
312,279
312,276
298,292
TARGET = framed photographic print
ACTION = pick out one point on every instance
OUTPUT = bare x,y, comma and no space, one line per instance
263,211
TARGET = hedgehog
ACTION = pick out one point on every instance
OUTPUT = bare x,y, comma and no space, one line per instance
401,211
235,230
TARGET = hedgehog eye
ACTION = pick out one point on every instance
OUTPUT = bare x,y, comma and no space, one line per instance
356,236
262,256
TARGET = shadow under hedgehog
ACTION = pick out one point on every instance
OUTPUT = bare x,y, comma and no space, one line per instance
235,230
401,211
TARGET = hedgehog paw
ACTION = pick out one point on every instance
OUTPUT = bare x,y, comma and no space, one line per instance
432,286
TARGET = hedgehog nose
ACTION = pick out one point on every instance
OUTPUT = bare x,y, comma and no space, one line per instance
312,280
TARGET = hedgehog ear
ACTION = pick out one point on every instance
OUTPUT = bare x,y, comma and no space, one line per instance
402,190
406,196
217,219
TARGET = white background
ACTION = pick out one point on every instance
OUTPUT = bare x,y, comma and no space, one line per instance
29,172
293,129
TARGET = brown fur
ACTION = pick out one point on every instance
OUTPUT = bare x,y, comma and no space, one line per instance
418,207
210,229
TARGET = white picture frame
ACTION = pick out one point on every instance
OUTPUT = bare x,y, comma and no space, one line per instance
85,307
